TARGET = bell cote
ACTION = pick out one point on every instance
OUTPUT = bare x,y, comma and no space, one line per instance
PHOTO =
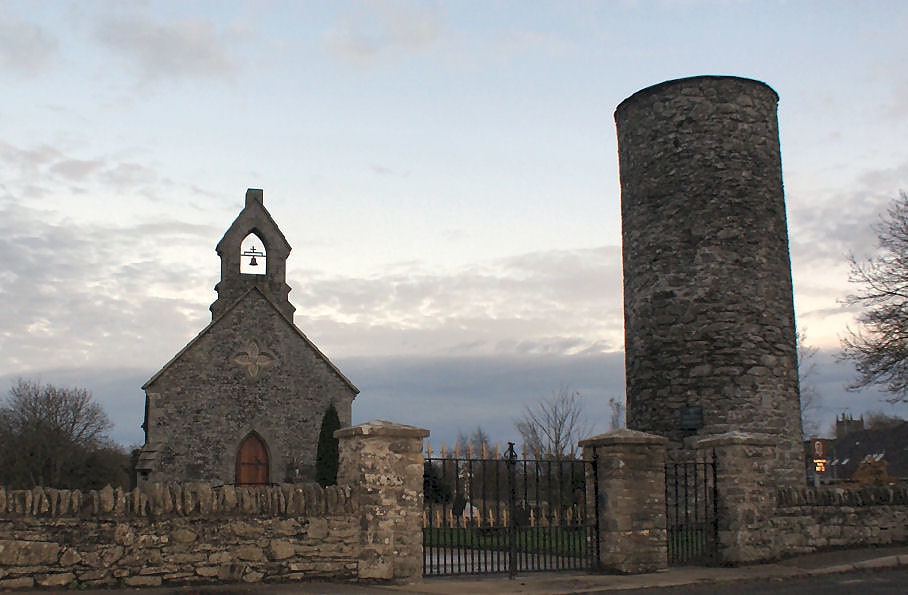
253,253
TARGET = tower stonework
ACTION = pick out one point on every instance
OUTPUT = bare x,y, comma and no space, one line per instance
710,341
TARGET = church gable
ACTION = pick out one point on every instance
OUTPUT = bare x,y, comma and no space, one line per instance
243,402
239,340
253,253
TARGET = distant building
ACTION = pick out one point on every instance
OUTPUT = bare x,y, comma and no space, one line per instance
847,424
889,444
243,402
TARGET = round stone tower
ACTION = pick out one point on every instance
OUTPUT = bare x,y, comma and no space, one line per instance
709,320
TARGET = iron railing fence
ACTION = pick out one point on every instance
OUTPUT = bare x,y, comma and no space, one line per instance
486,515
691,507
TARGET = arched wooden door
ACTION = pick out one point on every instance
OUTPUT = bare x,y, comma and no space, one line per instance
252,462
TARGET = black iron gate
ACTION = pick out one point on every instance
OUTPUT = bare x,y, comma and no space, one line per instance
691,510
500,514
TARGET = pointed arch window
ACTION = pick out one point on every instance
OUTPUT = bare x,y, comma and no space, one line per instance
253,259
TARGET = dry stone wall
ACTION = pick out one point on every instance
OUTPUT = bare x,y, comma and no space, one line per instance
808,519
758,520
173,534
365,528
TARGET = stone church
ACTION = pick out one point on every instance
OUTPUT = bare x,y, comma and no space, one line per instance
244,401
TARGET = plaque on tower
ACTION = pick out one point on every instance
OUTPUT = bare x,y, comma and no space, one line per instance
691,418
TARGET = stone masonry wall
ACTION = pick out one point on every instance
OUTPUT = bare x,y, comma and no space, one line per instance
760,521
631,500
388,471
173,534
204,404
365,528
808,519
746,479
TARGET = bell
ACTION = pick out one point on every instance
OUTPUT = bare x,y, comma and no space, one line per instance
252,262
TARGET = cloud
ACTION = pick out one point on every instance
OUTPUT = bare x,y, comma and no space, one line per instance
830,378
89,294
897,108
189,48
76,170
444,394
104,306
124,176
28,159
43,170
79,289
547,302
381,170
82,293
25,48
826,227
377,30
452,394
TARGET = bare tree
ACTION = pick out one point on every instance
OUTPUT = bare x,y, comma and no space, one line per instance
56,437
617,417
879,346
877,420
478,442
553,426
810,396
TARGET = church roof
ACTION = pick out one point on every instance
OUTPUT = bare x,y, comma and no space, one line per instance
890,443
217,319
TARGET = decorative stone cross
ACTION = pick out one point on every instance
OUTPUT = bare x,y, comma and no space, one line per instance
253,359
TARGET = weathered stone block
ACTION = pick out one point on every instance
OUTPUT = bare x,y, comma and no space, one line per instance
27,553
91,575
183,536
249,553
317,528
124,535
142,581
22,582
69,557
111,554
185,558
221,558
55,580
286,527
231,572
280,549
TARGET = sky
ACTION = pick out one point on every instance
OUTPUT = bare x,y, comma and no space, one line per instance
446,173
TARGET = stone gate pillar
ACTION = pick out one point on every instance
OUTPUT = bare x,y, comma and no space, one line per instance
382,462
747,467
630,468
